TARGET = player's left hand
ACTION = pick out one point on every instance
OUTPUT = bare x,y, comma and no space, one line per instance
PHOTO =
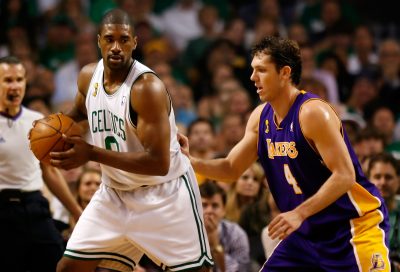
284,224
74,157
184,143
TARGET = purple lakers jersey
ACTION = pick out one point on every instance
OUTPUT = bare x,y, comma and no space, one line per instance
295,171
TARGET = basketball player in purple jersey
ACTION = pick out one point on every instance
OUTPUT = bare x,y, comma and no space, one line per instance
333,218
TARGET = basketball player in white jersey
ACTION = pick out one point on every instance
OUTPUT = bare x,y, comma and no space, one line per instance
29,240
148,202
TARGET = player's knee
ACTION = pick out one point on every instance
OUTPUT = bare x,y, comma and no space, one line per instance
62,266
203,269
72,265
67,265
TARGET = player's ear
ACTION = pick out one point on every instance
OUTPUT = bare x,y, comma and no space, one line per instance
98,40
135,42
286,71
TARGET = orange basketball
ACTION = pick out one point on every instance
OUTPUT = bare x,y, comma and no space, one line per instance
46,135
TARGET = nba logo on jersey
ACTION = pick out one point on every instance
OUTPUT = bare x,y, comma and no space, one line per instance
291,127
96,87
266,126
377,263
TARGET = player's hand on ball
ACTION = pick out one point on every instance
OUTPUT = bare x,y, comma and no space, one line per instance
74,157
45,136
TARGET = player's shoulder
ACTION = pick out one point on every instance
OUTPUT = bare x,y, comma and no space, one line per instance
254,117
85,76
312,107
148,82
317,115
256,113
88,70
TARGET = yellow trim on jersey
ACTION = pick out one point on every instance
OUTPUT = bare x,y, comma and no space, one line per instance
369,243
363,200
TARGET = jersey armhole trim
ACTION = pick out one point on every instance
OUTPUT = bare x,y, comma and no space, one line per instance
133,116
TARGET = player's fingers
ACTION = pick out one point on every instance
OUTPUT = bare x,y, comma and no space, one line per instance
280,233
61,155
55,163
63,164
72,139
274,224
277,227
182,139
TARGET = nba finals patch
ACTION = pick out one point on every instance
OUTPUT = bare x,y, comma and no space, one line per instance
96,88
378,264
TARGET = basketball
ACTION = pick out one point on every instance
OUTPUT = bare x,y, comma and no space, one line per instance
46,135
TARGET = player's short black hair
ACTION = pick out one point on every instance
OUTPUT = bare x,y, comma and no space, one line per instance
210,188
10,60
116,17
283,52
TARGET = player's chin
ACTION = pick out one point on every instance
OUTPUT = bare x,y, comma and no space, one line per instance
263,99
115,62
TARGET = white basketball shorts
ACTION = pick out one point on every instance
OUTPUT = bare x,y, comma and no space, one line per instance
163,221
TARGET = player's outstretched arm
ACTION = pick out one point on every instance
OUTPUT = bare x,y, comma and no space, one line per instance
322,127
58,186
239,158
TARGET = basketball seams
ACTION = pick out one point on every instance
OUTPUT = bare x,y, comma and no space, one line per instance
48,135
59,121
65,132
57,131
50,130
49,150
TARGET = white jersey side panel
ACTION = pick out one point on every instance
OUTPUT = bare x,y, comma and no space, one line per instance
111,128
19,168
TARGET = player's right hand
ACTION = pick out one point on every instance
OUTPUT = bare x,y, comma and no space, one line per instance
284,224
74,157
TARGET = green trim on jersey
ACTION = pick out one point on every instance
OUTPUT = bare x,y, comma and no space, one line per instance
204,259
80,255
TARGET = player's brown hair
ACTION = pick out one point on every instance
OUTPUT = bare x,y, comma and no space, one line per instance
283,52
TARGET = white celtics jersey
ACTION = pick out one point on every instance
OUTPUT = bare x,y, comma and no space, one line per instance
19,168
112,128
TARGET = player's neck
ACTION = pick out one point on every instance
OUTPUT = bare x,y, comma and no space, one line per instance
114,78
117,75
283,103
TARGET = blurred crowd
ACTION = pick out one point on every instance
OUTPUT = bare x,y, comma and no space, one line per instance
201,51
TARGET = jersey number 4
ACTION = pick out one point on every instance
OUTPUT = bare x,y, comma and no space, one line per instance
291,180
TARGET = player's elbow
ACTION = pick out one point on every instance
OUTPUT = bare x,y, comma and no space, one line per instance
163,167
348,177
